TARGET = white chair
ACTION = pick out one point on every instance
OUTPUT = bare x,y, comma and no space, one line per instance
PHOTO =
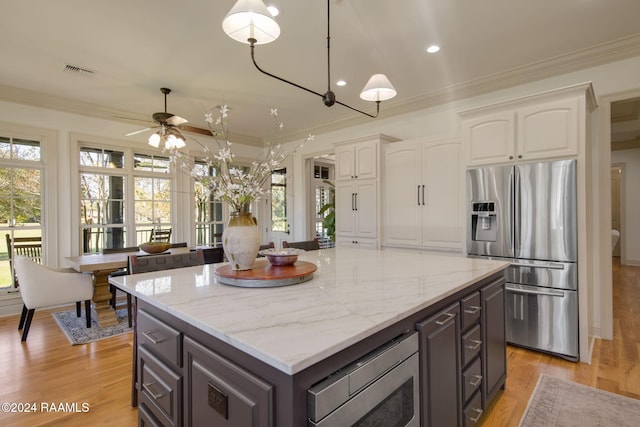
43,287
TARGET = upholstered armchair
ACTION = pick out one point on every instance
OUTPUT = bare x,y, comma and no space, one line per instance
43,287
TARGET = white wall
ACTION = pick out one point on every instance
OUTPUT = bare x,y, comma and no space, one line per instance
631,244
436,122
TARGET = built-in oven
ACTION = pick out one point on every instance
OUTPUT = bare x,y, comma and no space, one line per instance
380,389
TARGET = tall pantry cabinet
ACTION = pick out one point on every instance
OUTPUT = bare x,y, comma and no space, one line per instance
358,191
422,194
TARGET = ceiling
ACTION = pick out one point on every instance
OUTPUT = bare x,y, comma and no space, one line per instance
137,47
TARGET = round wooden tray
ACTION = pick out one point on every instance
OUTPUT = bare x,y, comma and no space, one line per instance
265,275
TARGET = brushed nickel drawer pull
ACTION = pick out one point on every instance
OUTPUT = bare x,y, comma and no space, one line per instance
152,338
476,345
472,309
449,316
475,420
147,386
478,380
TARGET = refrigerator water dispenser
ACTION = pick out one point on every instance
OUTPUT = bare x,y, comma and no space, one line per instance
484,222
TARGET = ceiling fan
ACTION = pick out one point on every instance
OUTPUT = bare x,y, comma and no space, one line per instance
169,126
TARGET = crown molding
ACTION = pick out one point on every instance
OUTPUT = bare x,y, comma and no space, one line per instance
604,53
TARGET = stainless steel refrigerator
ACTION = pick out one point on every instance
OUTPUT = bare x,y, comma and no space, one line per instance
526,214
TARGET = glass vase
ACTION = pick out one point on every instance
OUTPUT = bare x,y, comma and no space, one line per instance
241,240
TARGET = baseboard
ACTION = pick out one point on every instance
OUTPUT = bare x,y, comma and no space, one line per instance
10,304
631,262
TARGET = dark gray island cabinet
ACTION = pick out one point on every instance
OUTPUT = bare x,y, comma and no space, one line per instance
189,374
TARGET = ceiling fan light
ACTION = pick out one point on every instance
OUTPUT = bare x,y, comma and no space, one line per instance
250,19
154,140
378,88
174,139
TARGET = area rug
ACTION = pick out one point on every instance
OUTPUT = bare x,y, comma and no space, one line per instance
76,331
557,402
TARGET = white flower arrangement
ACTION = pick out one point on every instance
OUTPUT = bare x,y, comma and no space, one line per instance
232,183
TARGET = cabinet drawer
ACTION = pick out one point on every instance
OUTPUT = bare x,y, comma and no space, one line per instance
161,339
146,418
471,379
160,389
471,309
473,411
222,394
471,344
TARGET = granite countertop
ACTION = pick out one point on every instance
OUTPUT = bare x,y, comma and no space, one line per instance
353,294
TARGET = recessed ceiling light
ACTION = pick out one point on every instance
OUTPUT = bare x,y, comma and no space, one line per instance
341,83
433,48
273,10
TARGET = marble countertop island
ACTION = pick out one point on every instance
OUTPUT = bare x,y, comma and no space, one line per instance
353,294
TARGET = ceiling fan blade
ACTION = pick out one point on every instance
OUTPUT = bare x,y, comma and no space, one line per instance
135,132
176,120
194,129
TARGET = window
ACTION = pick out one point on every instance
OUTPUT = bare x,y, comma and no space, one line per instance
279,200
21,172
209,218
324,218
108,215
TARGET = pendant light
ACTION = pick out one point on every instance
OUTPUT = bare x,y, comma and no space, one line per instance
250,22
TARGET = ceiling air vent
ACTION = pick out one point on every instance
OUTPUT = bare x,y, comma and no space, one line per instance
79,70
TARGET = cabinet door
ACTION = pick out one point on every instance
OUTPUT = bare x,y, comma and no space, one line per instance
402,209
345,208
366,208
220,393
494,337
489,138
548,130
345,162
440,369
366,160
441,222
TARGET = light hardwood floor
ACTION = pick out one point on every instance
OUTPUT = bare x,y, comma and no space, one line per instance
47,370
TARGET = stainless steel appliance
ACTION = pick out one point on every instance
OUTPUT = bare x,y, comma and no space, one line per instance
380,389
526,214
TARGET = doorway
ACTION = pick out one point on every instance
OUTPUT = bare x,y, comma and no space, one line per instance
616,210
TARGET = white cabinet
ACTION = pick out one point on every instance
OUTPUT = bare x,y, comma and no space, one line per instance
543,126
358,191
357,160
422,194
356,210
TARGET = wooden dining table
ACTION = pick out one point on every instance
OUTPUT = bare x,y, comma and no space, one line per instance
101,266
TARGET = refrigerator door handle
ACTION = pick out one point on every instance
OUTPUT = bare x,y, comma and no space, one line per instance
517,223
548,292
551,265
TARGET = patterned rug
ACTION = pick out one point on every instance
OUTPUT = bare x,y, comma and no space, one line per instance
75,328
557,402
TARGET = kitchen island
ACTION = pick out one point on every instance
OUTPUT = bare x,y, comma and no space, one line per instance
247,356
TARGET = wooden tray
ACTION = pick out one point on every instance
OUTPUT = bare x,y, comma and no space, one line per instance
265,275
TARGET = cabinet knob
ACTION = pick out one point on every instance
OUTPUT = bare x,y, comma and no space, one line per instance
510,157
520,156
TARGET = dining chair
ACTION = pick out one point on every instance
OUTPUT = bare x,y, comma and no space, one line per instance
160,235
121,272
30,247
43,287
307,245
269,245
146,263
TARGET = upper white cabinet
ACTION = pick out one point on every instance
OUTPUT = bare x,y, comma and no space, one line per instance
357,160
543,126
422,194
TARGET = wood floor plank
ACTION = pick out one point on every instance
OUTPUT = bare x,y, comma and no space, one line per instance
48,370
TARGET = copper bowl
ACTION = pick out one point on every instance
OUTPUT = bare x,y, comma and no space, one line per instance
155,247
281,257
